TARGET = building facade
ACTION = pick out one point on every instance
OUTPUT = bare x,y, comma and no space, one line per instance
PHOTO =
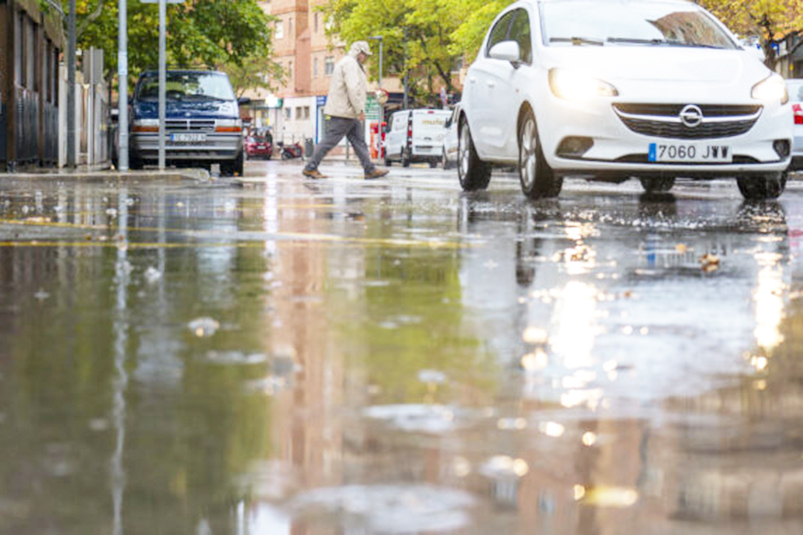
30,44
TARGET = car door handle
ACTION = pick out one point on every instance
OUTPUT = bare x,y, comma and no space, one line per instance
472,80
491,84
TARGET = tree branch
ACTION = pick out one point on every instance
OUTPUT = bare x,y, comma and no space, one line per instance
91,17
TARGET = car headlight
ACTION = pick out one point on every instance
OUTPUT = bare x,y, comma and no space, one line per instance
573,85
146,125
229,125
771,88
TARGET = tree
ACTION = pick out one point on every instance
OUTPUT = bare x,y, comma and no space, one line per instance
468,36
201,33
416,35
772,21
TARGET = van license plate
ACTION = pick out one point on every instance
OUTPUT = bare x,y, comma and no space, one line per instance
690,152
188,138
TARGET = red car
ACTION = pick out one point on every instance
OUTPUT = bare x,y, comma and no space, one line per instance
259,146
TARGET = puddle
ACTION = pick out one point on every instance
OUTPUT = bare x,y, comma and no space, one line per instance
388,508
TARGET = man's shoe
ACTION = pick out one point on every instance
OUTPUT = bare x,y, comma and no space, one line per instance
313,173
376,173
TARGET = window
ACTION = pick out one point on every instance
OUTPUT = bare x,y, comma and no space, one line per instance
315,68
306,112
288,113
499,32
299,114
316,22
329,65
520,32
279,29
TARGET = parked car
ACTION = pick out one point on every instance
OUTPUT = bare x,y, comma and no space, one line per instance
415,136
613,89
795,88
449,149
259,145
203,124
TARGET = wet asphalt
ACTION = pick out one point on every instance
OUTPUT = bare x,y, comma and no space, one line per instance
277,355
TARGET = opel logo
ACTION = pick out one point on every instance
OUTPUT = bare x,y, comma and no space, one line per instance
691,115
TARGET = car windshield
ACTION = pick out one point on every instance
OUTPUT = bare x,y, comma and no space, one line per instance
628,23
193,86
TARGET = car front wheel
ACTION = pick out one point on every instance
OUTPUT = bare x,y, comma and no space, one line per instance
474,174
233,167
538,180
657,185
761,188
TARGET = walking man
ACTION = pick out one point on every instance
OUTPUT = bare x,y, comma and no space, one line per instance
345,107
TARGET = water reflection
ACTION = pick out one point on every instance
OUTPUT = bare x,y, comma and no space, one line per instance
350,358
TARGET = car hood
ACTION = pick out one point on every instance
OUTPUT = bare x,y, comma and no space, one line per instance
187,110
647,64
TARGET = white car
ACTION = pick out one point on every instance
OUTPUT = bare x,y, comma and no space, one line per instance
449,153
795,88
614,89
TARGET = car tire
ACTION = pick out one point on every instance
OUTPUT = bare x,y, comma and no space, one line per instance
232,167
762,188
444,160
657,184
474,174
135,163
538,180
405,158
387,161
433,164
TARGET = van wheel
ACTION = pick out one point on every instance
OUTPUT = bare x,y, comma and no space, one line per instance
657,185
405,158
387,161
433,164
444,160
761,188
474,174
538,180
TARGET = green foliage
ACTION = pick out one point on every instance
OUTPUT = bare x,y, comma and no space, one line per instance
200,33
416,34
771,21
467,38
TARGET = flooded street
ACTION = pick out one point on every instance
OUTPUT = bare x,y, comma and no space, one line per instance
398,357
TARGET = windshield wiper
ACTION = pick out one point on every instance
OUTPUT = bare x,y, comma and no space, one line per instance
656,42
577,41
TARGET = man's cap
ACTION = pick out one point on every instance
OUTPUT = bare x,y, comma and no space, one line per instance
361,46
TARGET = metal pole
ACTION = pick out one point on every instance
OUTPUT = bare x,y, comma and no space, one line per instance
405,68
122,87
162,80
381,106
71,38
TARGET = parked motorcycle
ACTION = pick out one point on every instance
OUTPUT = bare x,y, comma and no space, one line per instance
294,150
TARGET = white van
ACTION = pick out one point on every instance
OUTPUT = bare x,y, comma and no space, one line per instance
415,136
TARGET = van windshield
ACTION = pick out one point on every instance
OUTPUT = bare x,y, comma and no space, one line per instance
187,86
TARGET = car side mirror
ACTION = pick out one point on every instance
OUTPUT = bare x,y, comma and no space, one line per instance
506,51
242,101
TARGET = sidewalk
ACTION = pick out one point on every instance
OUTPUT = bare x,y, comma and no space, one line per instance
200,175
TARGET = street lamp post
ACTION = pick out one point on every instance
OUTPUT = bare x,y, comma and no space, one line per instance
381,106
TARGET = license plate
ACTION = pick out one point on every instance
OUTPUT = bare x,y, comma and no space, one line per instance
187,138
690,152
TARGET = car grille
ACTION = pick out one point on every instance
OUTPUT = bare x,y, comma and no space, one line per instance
664,120
190,125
